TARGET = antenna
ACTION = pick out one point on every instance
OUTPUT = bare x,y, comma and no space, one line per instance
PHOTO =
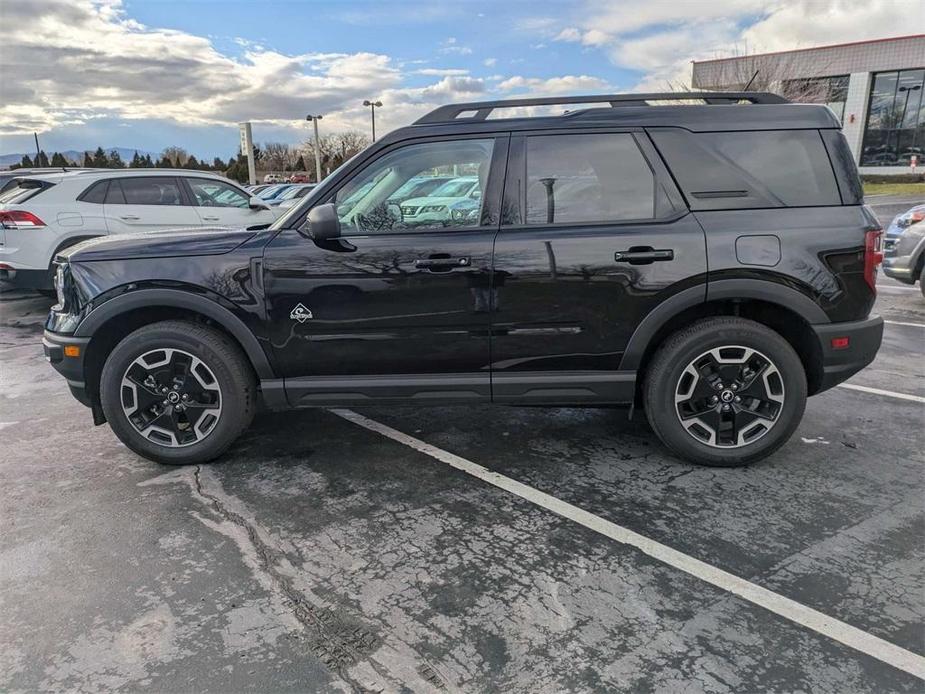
749,83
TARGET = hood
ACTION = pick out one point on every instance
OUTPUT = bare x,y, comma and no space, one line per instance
159,244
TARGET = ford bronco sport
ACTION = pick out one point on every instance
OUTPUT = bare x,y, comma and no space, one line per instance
705,256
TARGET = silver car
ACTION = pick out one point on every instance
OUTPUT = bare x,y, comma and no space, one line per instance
904,259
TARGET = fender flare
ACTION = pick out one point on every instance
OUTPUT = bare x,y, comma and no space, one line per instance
761,290
147,298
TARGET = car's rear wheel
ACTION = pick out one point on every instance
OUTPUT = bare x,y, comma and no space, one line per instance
177,392
725,391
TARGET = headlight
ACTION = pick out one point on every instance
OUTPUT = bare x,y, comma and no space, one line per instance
433,208
59,284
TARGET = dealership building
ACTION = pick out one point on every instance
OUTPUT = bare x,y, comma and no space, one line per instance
875,88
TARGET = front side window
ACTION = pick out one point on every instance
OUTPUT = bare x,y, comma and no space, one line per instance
208,193
371,202
144,190
587,178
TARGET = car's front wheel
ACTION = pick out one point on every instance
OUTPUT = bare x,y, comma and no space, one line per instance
725,391
177,392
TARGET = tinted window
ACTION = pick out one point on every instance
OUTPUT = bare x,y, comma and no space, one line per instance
95,193
148,190
209,193
18,191
587,178
734,170
364,205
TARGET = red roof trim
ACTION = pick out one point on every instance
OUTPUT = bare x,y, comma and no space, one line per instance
814,48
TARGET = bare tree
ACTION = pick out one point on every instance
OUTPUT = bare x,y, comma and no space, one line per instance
277,156
335,149
176,155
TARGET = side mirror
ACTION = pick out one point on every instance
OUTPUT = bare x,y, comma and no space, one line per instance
256,203
323,223
394,210
476,194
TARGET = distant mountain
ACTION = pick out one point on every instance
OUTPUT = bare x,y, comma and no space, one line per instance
76,155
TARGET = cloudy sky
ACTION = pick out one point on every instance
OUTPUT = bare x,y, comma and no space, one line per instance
153,73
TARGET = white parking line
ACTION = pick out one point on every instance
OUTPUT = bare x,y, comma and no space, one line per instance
778,604
899,322
895,288
886,393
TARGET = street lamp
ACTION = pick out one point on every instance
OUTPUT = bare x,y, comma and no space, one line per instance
372,105
317,147
902,118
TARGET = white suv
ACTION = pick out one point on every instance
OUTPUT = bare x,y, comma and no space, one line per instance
43,214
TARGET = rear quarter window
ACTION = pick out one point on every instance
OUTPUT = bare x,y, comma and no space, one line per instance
751,169
16,192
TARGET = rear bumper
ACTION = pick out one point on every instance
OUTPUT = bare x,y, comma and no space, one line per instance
71,367
840,364
27,279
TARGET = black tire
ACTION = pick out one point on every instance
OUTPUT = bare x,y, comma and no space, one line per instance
922,280
663,379
226,366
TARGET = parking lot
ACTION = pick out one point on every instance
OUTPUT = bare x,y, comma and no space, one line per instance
465,549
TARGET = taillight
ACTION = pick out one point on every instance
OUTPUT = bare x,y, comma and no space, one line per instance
873,256
19,219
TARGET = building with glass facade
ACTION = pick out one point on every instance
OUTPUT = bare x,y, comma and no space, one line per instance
876,88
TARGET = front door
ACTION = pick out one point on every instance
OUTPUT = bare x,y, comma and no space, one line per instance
394,309
221,204
594,237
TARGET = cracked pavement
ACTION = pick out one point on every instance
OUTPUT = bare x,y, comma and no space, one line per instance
320,556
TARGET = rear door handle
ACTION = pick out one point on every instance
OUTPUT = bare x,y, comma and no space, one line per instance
643,255
441,263
210,219
130,217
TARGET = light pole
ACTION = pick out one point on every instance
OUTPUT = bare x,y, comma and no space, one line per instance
902,118
317,147
372,105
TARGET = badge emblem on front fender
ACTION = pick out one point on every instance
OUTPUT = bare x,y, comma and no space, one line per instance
300,313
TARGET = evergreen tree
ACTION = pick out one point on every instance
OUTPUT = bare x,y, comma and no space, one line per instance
164,163
137,162
218,164
88,162
148,164
300,164
192,163
100,159
42,159
57,159
26,161
115,160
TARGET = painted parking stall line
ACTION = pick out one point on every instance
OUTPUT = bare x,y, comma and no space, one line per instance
791,610
905,323
885,393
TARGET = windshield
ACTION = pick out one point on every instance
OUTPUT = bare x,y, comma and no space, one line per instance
454,189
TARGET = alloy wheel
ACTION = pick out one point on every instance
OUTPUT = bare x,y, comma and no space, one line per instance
729,397
171,397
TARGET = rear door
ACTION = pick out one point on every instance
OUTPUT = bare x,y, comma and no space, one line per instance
222,204
594,237
147,203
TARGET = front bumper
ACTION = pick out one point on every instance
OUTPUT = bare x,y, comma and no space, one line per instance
899,267
840,364
71,367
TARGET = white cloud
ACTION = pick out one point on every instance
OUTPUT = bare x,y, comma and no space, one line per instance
566,84
489,62
442,72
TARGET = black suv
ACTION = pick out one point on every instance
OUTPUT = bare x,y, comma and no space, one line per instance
705,256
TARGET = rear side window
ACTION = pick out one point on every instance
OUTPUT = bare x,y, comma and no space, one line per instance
587,178
18,191
95,193
144,190
735,170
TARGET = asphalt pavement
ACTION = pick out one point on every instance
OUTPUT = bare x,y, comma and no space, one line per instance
464,549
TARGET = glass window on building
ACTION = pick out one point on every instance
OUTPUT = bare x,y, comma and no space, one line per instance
895,128
831,91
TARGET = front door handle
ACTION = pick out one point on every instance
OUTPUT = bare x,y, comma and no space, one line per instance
210,219
130,217
643,255
438,264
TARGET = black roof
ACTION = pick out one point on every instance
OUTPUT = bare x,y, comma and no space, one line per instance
696,111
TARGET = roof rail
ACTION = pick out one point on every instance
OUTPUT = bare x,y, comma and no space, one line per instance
482,109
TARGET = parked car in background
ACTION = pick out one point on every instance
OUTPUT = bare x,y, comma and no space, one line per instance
435,207
292,196
43,214
299,177
418,187
270,193
904,258
253,190
900,223
272,178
